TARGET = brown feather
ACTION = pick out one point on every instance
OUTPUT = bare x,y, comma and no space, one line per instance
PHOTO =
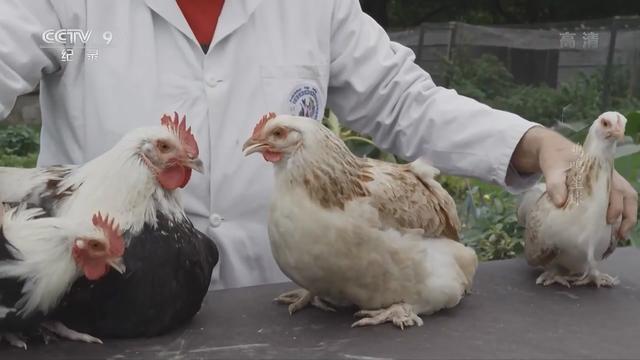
404,201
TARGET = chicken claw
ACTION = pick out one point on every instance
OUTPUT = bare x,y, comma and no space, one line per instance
301,298
401,315
64,332
14,340
598,279
551,277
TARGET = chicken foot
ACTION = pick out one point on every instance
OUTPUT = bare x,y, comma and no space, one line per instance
64,332
14,340
550,277
301,298
594,276
401,315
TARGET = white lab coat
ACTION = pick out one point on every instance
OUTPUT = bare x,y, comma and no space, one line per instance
266,55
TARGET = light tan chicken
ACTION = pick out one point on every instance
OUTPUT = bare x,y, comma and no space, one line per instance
568,242
358,231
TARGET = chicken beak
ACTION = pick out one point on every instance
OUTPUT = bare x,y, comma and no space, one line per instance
118,265
618,133
619,136
195,164
253,145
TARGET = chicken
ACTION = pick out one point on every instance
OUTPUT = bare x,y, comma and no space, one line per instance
40,258
353,231
169,262
568,242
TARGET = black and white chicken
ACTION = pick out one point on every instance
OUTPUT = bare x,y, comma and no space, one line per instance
169,262
40,258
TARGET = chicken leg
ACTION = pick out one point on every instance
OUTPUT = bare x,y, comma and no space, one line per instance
401,315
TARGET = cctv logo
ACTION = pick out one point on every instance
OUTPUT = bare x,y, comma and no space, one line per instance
66,36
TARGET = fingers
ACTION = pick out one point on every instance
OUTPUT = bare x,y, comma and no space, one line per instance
556,181
629,214
557,156
616,201
629,203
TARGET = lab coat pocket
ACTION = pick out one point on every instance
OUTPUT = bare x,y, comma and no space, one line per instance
295,89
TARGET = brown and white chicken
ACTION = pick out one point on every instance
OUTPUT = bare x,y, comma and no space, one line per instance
354,231
569,241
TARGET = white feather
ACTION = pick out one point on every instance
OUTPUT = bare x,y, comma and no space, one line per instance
16,184
5,310
118,183
43,249
423,170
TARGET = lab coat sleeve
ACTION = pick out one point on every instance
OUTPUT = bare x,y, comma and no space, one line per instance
23,59
376,88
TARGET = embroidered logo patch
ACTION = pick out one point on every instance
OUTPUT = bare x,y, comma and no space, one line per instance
304,100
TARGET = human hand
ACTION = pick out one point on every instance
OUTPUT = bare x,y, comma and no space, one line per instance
546,151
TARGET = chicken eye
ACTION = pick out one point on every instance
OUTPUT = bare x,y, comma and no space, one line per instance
94,245
279,133
163,147
605,123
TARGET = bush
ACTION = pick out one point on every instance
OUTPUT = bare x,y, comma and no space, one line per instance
19,140
487,80
19,145
27,161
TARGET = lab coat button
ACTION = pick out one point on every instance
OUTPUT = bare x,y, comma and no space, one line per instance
215,220
211,81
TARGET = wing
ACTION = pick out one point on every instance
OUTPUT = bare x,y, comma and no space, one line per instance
528,200
408,197
534,207
36,186
538,250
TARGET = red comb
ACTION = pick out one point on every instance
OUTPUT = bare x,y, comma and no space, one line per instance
180,129
263,121
112,232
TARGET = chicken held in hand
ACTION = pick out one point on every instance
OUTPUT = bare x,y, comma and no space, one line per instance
568,242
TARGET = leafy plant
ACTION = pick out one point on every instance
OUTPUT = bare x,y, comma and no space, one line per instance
490,225
19,146
19,140
487,80
358,144
27,161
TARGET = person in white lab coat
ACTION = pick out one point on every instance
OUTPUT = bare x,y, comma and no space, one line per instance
287,56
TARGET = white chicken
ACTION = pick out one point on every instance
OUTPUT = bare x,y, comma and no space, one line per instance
353,231
40,258
569,241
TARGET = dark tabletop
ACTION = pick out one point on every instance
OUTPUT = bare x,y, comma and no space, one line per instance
506,316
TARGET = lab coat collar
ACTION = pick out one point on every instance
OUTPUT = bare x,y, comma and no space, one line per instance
170,11
234,14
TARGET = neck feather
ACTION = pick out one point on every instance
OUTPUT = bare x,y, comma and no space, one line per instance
330,174
118,183
42,248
